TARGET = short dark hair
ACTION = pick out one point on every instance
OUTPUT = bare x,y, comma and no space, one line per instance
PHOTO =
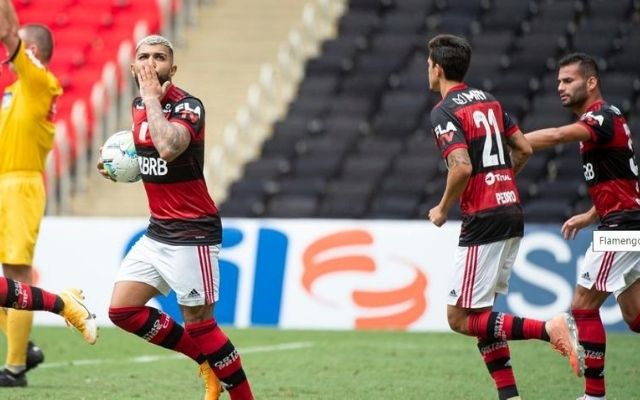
41,36
587,64
452,53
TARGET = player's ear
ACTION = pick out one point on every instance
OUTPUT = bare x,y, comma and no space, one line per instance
133,70
592,82
173,70
439,70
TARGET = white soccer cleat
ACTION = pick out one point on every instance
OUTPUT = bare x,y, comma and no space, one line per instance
77,315
563,335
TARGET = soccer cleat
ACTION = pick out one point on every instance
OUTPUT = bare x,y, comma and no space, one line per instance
35,356
9,379
212,386
76,314
563,335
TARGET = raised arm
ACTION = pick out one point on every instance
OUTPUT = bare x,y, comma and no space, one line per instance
170,139
9,27
549,137
520,150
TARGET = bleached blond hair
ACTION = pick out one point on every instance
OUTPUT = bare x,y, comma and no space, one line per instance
153,40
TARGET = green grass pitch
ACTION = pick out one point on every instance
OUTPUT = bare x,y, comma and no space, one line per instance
315,365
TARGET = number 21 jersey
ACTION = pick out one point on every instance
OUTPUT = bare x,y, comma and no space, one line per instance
472,119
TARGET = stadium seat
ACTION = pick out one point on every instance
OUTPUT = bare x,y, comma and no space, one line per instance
246,207
404,22
358,138
266,168
414,5
393,206
311,186
546,210
507,15
292,206
398,183
608,10
321,166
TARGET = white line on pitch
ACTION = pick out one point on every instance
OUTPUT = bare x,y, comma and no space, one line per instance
149,358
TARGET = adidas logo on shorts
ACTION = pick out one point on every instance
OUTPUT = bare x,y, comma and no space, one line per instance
586,276
453,293
193,293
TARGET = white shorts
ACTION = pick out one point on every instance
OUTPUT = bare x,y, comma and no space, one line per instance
481,272
191,271
609,271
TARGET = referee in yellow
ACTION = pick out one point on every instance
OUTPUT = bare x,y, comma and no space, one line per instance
26,137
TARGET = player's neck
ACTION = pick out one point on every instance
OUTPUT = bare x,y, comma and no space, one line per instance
579,110
446,85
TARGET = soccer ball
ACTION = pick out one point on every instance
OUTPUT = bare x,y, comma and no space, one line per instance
119,157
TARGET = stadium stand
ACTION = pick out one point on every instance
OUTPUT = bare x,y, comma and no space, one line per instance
355,139
93,50
352,139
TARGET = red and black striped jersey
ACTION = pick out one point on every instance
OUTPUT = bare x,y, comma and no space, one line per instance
182,211
490,204
610,167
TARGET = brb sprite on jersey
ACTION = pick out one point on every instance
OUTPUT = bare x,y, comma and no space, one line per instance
610,167
182,212
474,120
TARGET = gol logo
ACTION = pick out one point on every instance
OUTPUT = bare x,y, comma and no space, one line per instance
408,302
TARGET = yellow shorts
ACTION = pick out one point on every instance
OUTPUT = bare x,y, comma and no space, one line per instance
22,205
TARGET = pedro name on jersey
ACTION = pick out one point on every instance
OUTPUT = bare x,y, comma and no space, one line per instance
472,119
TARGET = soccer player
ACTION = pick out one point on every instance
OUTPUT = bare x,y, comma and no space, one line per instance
611,173
180,249
68,304
26,137
483,149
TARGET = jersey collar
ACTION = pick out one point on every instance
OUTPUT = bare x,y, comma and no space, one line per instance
168,92
595,105
459,86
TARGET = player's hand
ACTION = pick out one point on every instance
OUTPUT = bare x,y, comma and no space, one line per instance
571,226
437,216
102,170
150,87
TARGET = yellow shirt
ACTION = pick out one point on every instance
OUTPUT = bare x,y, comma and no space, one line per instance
26,116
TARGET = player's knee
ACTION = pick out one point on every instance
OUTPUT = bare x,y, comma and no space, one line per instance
633,322
125,317
457,323
115,315
585,299
197,314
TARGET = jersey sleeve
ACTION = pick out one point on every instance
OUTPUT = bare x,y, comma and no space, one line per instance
599,124
447,131
510,126
190,113
31,72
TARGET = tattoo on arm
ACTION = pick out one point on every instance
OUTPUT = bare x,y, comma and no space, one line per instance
456,158
169,140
